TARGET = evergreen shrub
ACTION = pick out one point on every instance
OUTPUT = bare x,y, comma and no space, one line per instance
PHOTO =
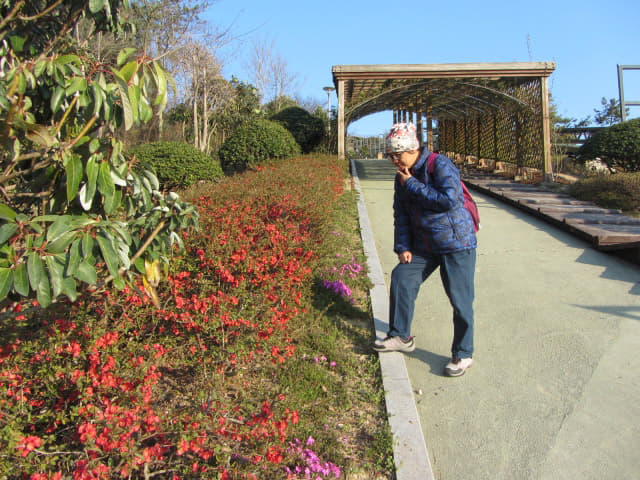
177,164
620,190
255,142
308,130
617,146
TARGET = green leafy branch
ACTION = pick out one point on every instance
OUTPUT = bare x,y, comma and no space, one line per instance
73,208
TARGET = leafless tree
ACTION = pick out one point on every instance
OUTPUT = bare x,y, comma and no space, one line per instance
271,75
208,94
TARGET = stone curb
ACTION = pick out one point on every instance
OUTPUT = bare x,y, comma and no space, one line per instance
409,448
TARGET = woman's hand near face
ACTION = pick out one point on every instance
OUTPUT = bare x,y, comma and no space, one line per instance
403,175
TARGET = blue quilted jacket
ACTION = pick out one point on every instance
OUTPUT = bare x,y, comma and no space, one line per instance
429,212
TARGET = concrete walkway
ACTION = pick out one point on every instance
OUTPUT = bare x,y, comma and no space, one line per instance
554,392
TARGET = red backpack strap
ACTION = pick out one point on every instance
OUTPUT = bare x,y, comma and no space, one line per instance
431,162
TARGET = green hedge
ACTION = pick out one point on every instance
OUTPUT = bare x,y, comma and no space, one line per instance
617,146
255,142
305,128
177,164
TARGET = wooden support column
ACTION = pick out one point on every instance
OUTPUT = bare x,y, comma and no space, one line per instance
419,127
341,130
479,137
546,132
495,138
518,134
430,145
455,135
466,140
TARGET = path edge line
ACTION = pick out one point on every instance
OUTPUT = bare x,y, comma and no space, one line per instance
410,453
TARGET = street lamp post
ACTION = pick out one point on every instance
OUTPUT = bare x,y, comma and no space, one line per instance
329,90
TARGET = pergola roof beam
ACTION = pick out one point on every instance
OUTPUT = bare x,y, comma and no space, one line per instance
450,92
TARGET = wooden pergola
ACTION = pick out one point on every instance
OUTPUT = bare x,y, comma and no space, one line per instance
488,110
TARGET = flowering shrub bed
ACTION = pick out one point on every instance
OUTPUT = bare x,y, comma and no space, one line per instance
220,374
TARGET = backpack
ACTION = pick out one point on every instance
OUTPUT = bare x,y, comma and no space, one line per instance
469,202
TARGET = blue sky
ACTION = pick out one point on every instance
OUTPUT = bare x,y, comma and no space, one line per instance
587,39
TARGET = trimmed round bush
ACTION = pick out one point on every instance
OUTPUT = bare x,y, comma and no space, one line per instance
255,142
305,128
177,164
617,146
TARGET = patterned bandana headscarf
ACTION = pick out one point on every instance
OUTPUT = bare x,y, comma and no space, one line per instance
402,138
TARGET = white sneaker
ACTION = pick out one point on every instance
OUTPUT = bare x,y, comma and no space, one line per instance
457,366
394,344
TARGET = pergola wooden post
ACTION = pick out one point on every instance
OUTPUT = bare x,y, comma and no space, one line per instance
430,144
342,132
457,92
546,131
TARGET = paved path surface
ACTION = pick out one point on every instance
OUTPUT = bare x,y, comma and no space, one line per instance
554,392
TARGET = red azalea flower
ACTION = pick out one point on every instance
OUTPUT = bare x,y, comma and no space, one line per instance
274,455
28,444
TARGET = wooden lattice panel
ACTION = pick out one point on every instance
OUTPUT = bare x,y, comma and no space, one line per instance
511,132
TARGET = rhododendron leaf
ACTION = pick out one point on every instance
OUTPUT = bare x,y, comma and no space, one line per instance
128,70
126,106
117,199
35,268
105,184
119,282
56,273
98,98
21,280
43,291
146,183
146,112
60,226
123,252
87,245
7,231
120,229
86,273
88,190
108,253
134,99
6,279
6,213
40,136
60,244
56,98
124,54
146,198
153,180
112,201
118,178
140,264
69,288
175,239
65,59
161,83
78,84
74,258
74,172
96,5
